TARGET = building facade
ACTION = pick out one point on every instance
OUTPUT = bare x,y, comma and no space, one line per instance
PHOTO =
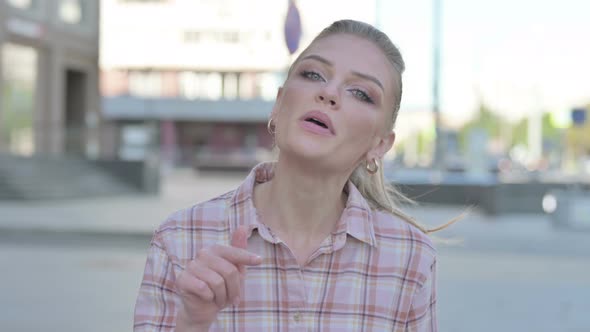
201,74
49,102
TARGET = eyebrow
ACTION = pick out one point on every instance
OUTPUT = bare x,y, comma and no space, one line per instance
355,73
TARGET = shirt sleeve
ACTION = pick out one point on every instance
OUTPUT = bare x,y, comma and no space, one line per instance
156,305
422,315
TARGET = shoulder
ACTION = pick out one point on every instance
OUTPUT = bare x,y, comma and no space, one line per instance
188,229
390,229
203,214
404,242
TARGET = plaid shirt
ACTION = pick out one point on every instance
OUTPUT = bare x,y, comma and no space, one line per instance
374,273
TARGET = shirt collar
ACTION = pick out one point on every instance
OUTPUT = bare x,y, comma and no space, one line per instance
356,218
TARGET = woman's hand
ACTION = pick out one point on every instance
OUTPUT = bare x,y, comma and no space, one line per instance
213,281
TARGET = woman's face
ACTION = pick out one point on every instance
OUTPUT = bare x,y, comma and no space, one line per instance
335,108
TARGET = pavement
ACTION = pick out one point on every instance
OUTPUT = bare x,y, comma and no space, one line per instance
139,215
116,215
496,273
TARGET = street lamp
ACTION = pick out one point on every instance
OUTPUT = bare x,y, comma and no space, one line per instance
436,45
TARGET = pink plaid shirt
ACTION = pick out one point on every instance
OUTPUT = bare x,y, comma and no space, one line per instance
374,273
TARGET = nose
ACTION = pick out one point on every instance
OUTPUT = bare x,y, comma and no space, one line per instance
327,97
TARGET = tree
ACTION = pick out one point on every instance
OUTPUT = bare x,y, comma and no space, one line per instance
486,120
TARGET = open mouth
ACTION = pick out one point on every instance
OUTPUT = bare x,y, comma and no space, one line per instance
317,122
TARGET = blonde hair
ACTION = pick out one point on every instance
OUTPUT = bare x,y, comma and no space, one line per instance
379,194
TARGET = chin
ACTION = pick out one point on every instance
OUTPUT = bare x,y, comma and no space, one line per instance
305,148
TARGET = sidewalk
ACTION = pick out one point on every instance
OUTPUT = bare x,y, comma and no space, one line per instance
93,251
135,214
140,215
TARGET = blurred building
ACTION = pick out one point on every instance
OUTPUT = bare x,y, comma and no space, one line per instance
49,102
198,78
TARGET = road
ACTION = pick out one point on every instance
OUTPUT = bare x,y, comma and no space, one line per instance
50,287
64,283
509,273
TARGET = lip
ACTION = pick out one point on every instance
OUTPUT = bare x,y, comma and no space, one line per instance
321,117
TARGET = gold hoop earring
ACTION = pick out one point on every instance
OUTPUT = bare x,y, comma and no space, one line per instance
374,169
270,127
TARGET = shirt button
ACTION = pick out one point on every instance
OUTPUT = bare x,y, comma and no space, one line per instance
297,317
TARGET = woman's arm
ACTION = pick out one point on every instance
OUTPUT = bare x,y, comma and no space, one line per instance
191,300
156,306
422,315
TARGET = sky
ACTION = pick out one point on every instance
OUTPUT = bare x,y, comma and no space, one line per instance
519,57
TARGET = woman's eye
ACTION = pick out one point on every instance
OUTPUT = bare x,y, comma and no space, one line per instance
362,96
312,75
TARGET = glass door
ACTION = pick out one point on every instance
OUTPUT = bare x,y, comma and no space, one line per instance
19,66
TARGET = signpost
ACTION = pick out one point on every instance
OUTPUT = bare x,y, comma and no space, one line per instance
292,27
436,48
579,116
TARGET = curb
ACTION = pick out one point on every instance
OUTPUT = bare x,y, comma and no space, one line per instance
74,237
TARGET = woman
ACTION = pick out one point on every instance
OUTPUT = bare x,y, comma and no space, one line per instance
314,241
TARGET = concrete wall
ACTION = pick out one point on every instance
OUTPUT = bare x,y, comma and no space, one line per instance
60,46
493,199
143,175
2,38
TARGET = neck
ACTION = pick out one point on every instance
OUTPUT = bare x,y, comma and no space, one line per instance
302,203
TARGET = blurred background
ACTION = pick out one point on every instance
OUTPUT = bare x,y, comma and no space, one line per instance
115,113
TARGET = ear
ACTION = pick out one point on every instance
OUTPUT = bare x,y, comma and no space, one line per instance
383,145
276,106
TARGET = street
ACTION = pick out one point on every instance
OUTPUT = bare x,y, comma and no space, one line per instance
507,273
50,287
56,284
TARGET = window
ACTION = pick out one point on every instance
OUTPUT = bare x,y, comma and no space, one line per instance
192,36
201,85
230,86
247,85
229,37
189,85
140,1
213,86
145,84
18,98
71,11
23,4
268,85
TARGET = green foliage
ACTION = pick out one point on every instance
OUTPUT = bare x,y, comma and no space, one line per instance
549,130
496,127
486,120
521,129
520,133
424,140
17,108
